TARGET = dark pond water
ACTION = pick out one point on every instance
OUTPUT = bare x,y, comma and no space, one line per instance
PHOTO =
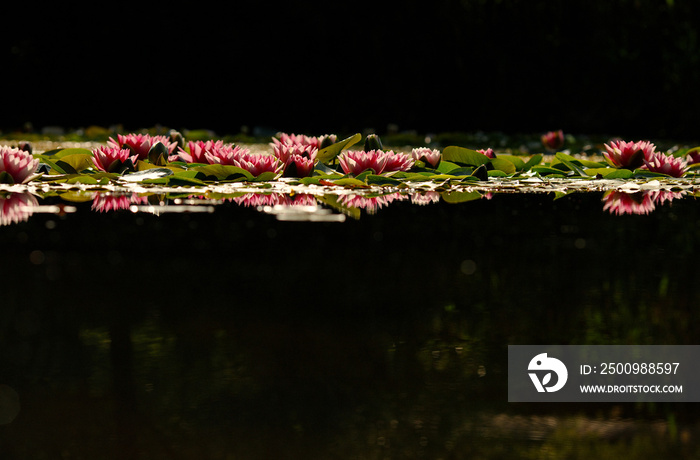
234,335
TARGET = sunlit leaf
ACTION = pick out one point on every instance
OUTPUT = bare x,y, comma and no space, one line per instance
533,161
446,166
327,154
78,161
349,182
571,163
464,156
505,165
374,179
224,172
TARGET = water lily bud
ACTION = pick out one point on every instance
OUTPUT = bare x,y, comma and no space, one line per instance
553,140
373,142
327,140
25,146
158,154
177,138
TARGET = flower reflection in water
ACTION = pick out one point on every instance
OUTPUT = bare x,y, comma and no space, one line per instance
16,207
275,199
105,202
370,204
643,202
422,199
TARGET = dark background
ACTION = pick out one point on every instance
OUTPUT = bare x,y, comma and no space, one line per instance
623,67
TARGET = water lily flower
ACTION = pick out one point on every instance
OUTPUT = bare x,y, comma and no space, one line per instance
628,155
110,159
259,163
140,144
397,162
553,140
666,164
16,207
693,156
357,161
296,139
196,151
427,156
488,152
224,154
17,164
256,164
298,159
628,203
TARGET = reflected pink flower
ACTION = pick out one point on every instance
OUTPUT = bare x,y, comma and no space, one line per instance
140,144
104,202
428,156
628,203
553,140
488,152
196,151
298,160
660,197
370,204
666,164
275,199
16,207
108,159
18,164
426,198
629,155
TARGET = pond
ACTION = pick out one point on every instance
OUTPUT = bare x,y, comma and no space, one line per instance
230,324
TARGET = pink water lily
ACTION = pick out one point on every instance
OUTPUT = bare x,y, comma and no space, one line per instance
553,140
666,164
18,164
140,144
110,159
225,154
398,162
428,156
488,152
628,155
298,159
296,139
356,161
196,151
256,164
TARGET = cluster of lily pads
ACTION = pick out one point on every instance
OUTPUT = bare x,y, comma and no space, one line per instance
325,160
